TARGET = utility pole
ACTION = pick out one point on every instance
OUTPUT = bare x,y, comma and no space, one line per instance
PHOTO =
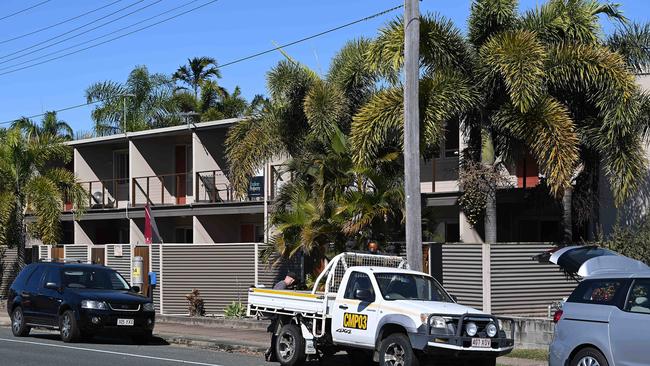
412,134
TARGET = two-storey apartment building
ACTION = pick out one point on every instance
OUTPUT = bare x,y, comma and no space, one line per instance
180,172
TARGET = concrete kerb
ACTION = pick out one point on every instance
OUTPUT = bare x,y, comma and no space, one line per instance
215,322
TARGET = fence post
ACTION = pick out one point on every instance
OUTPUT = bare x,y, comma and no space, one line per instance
257,265
487,277
161,280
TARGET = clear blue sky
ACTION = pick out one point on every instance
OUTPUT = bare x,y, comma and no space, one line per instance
225,30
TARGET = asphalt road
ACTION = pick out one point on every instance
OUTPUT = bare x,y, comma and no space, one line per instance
44,348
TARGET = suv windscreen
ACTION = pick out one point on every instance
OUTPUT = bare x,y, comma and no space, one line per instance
406,286
605,292
93,278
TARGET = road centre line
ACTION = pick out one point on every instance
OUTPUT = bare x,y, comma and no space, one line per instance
109,352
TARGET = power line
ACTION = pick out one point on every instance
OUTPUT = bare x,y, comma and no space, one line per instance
24,10
310,37
108,40
72,30
58,24
242,59
96,38
80,34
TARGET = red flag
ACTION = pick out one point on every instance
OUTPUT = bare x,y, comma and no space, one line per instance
147,224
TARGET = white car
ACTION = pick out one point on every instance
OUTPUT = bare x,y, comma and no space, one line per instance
606,320
378,310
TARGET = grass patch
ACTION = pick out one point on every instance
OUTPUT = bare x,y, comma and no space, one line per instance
531,354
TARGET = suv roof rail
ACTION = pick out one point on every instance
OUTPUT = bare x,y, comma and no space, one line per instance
62,260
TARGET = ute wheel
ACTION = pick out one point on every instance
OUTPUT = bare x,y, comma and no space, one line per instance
396,350
589,357
143,338
290,346
68,327
18,325
360,357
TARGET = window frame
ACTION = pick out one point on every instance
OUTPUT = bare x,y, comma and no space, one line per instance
629,293
349,283
619,298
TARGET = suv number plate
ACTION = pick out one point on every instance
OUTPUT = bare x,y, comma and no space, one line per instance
125,322
481,342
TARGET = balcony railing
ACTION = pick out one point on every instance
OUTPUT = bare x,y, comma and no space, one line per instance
105,193
212,186
165,189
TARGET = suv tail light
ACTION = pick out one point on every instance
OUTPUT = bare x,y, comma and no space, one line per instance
557,316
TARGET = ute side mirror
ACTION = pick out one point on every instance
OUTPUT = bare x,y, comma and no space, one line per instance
52,286
363,295
135,289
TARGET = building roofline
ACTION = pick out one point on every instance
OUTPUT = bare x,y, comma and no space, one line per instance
156,131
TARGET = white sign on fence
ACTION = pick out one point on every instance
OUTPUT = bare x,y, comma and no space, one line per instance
118,250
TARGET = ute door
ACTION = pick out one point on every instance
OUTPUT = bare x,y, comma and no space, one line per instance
356,311
629,335
586,261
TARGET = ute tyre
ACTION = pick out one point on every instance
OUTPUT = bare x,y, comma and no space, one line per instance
589,357
396,350
68,327
18,325
290,346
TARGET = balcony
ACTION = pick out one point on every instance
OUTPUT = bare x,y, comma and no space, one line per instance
165,189
212,186
103,194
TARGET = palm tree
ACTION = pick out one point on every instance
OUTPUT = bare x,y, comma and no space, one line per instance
197,71
543,82
148,98
32,184
50,124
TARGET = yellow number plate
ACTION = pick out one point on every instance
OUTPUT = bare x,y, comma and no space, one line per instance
355,321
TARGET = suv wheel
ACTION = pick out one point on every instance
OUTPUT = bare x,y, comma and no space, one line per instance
68,327
18,324
396,350
290,346
589,357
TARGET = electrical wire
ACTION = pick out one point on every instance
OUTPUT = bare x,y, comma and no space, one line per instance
24,10
242,59
96,38
57,24
70,31
82,33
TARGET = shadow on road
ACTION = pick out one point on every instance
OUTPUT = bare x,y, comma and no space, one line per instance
103,339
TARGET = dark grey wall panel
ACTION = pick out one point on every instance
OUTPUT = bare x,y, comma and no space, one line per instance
77,252
8,269
223,273
462,273
121,264
521,286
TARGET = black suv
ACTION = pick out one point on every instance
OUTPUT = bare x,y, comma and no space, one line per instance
79,300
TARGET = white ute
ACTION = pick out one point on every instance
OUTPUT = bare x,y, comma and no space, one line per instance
376,309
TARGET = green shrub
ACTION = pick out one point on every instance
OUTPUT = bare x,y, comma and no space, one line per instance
631,241
235,310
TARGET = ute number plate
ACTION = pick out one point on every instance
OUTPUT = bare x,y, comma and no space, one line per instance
481,343
125,322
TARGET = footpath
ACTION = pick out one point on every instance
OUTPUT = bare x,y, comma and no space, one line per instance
240,336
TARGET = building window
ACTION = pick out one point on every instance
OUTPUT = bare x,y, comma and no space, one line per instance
121,166
184,235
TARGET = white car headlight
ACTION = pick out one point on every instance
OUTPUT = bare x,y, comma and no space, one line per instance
148,307
92,304
491,330
438,322
471,329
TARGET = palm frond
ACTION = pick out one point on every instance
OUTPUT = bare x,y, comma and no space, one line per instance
490,17
548,131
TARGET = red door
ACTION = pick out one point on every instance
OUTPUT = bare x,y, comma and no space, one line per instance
181,172
247,234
